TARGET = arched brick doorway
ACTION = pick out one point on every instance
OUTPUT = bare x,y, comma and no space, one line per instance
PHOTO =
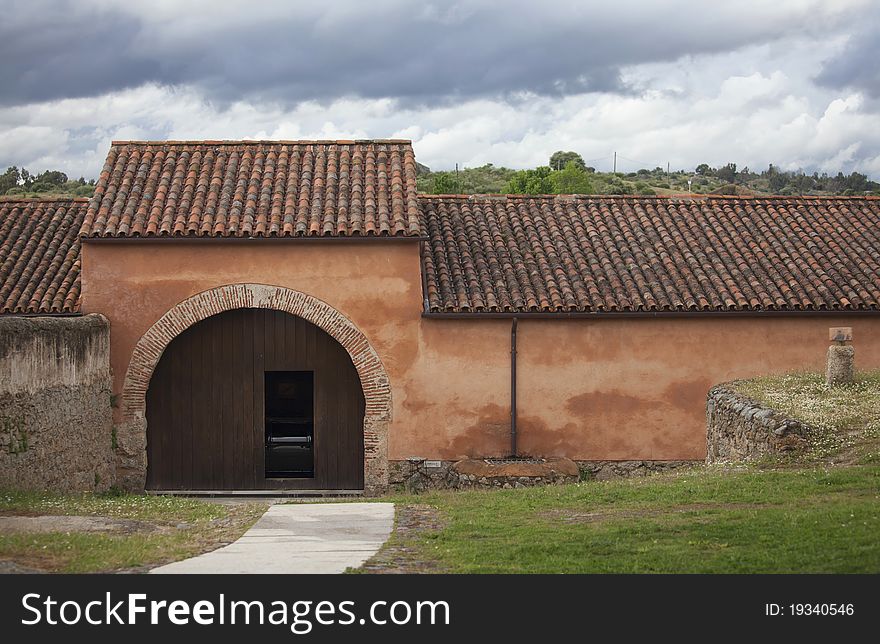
131,432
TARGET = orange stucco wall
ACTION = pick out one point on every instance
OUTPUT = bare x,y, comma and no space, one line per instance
588,389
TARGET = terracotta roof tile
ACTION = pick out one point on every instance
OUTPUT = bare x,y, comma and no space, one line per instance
630,254
255,189
484,253
39,255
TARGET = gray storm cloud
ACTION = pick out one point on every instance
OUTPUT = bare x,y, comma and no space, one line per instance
416,53
789,82
856,66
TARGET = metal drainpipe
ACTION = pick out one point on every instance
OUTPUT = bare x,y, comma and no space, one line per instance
513,388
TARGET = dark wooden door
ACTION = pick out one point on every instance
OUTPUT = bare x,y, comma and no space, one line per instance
205,405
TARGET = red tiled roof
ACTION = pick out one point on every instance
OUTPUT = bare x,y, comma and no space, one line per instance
512,254
631,254
39,255
255,189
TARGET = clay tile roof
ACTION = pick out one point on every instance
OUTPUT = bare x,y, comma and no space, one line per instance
652,254
255,189
39,255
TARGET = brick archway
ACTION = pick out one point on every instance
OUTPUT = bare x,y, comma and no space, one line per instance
131,433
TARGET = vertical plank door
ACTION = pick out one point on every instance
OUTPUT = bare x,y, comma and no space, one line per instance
206,405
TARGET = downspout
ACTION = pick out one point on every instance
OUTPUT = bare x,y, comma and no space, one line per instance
426,304
513,451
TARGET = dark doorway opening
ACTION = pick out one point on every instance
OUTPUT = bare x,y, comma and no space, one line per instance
290,424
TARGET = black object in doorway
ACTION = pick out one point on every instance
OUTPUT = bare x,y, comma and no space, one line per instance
290,424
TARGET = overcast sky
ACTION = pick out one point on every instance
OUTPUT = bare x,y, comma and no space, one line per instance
789,82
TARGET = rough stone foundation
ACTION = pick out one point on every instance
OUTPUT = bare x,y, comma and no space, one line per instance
55,414
463,474
741,429
605,470
473,473
434,478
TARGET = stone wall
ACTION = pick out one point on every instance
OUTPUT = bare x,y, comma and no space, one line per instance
55,406
478,473
438,478
741,429
605,470
448,476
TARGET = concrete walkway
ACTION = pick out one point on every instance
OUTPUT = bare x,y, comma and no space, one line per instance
300,538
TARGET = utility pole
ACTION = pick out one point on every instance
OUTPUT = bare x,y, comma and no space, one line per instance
614,170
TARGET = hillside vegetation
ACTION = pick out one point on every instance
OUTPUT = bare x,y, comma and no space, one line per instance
566,173
51,183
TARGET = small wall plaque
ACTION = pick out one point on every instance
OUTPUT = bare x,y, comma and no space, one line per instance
840,334
433,465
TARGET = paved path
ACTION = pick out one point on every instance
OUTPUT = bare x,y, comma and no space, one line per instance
300,538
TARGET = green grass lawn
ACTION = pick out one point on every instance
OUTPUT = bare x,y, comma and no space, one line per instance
152,530
818,511
704,520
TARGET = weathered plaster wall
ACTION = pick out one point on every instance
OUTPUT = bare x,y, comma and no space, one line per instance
55,416
590,390
598,390
635,389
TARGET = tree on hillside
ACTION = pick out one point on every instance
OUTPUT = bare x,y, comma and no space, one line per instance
533,182
572,180
444,183
727,173
560,159
857,182
51,178
776,180
17,181
9,179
